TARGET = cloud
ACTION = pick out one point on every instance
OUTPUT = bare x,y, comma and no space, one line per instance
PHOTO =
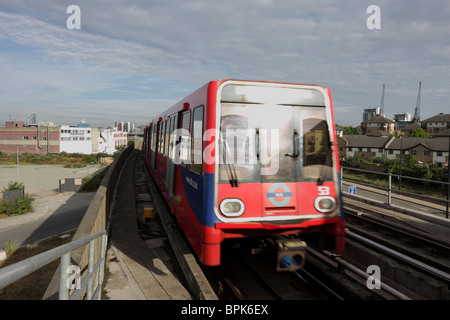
162,50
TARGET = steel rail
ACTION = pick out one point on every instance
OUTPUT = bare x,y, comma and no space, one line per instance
415,263
341,262
429,241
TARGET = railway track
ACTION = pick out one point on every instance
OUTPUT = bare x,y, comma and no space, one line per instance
248,273
414,260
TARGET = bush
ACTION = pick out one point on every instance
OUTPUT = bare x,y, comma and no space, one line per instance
13,185
18,206
91,184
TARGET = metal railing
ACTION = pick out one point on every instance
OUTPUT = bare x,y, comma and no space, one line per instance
390,189
16,271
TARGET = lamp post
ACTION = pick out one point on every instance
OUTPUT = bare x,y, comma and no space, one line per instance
401,151
18,174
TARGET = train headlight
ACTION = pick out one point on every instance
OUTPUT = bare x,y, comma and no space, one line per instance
232,207
325,204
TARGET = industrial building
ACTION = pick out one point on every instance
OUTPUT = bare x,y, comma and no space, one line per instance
45,138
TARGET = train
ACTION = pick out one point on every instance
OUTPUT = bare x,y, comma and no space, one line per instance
242,159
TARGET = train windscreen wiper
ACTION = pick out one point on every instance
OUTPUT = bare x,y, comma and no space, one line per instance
296,140
231,172
323,172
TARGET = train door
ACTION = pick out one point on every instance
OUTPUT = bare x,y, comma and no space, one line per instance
153,145
170,177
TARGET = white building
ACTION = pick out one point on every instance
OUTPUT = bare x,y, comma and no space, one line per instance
76,139
109,140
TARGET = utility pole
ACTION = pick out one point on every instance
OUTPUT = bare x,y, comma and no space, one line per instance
448,175
416,117
382,102
400,178
18,175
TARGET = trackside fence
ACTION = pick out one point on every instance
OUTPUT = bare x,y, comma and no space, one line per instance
67,284
391,187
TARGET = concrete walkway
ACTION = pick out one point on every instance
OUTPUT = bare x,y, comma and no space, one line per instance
138,269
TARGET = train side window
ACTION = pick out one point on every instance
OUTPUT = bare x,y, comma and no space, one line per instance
166,138
153,145
185,138
160,137
197,140
173,135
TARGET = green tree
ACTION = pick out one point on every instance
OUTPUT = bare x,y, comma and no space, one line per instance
348,130
419,133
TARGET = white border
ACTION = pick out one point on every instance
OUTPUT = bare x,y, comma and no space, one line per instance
216,172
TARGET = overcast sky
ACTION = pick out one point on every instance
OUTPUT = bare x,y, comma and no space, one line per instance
132,59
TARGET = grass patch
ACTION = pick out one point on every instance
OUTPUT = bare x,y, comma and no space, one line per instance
63,158
91,183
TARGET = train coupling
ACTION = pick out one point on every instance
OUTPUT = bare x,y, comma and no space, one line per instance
291,254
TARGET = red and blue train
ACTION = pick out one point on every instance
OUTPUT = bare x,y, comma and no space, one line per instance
240,158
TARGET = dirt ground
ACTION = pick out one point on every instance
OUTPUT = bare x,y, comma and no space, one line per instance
42,180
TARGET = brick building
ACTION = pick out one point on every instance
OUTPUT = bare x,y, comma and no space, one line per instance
16,137
438,125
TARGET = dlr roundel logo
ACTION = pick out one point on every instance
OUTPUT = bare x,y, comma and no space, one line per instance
280,191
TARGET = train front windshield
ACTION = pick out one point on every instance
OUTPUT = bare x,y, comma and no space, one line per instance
271,138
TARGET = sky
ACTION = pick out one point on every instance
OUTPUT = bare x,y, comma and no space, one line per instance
130,60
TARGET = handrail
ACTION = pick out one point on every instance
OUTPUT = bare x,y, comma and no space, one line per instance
16,271
390,189
396,175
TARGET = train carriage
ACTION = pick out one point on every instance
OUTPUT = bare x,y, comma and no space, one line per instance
249,159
